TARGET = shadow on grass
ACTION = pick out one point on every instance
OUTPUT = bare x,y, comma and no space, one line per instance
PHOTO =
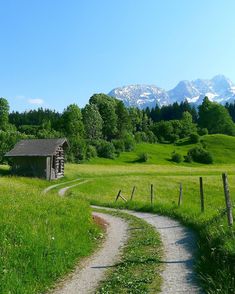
5,171
183,143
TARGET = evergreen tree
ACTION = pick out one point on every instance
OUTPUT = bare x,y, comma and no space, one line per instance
123,121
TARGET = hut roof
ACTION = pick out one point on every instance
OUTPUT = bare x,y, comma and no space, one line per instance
36,147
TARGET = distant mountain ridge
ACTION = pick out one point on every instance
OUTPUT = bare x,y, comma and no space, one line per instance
219,89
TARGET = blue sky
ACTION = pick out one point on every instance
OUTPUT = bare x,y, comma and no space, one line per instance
54,53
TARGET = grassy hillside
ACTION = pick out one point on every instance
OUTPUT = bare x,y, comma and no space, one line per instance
222,148
41,236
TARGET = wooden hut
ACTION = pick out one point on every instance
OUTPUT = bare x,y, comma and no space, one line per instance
43,158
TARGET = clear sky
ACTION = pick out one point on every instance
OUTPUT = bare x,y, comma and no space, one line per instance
57,52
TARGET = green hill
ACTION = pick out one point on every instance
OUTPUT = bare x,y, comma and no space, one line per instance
222,148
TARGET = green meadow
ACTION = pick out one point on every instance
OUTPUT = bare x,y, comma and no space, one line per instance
215,262
40,237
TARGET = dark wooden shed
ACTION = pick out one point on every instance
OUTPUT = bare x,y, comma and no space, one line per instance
43,158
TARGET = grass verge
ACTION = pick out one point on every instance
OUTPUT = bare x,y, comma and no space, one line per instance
139,269
42,237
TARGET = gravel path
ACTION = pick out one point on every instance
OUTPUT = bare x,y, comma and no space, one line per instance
85,279
65,189
179,249
57,185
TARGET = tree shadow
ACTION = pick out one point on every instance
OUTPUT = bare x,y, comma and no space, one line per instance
4,171
183,143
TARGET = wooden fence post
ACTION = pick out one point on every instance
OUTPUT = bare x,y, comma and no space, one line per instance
118,195
132,193
227,199
180,195
151,195
202,195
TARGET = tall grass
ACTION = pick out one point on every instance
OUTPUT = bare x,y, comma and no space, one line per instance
41,236
217,247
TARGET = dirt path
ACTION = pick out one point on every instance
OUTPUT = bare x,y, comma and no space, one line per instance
179,250
86,278
60,184
65,189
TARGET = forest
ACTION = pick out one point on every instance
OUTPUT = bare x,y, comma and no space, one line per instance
105,127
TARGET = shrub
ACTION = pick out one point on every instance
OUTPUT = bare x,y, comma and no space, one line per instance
199,154
143,157
119,145
174,138
141,137
129,142
188,158
77,150
202,131
106,149
91,152
151,137
194,138
176,157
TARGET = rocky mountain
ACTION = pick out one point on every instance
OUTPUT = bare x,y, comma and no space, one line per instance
219,89
141,96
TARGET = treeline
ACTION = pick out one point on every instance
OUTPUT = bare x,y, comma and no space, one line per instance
105,127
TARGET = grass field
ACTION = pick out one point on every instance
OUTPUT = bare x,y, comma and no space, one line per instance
41,236
107,177
41,240
221,147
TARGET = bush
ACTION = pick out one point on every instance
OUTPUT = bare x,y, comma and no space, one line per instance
202,131
188,158
129,142
143,157
91,152
106,149
141,137
77,150
174,138
151,137
176,157
194,138
119,145
199,154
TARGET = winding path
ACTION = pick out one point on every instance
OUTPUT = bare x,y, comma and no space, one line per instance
60,184
86,278
179,251
65,189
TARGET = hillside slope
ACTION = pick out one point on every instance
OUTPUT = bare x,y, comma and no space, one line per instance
222,148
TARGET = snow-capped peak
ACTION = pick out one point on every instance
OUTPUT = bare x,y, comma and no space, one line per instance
219,89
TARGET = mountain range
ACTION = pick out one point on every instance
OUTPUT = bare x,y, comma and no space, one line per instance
219,89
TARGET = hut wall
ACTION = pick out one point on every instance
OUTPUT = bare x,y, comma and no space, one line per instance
58,163
31,166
